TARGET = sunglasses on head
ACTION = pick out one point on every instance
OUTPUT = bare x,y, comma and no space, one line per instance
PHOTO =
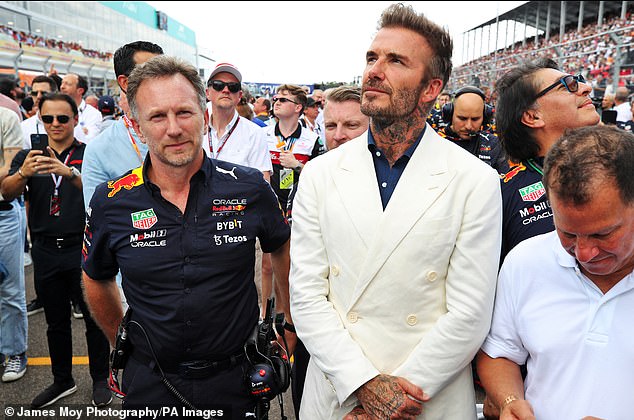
570,82
219,85
283,100
48,119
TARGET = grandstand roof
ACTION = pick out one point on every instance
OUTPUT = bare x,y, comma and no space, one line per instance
531,8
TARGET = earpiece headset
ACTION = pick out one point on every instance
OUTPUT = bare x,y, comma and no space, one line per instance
448,108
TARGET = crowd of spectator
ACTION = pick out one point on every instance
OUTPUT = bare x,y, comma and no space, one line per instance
591,51
34,40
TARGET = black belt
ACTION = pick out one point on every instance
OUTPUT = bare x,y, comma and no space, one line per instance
58,242
193,369
6,206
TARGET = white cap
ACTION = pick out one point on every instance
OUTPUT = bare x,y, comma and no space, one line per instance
226,68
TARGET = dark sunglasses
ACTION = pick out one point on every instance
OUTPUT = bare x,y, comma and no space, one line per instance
48,119
219,85
570,82
284,100
37,92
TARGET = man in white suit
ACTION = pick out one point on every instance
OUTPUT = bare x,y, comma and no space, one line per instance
395,247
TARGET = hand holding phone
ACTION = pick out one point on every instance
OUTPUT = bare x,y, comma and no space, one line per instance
39,141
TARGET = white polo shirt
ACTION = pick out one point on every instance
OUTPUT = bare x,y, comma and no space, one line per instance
89,124
243,145
577,342
32,125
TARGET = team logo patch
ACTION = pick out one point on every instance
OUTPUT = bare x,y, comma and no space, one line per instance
228,207
532,192
514,171
144,219
128,182
224,171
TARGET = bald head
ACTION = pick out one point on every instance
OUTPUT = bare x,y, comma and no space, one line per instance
468,112
621,95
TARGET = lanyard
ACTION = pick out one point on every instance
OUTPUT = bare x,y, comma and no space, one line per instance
128,126
57,180
211,147
287,144
535,166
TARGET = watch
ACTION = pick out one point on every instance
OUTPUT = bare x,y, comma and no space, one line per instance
74,172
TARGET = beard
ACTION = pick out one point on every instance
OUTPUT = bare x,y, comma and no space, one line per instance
175,160
401,104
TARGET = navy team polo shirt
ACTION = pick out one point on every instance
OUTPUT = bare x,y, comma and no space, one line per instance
189,278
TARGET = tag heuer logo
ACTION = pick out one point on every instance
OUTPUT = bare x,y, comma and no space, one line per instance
532,192
144,219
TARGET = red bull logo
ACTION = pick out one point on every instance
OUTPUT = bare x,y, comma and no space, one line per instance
128,182
514,171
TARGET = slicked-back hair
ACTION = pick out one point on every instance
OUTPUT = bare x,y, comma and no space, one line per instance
124,56
59,97
400,16
344,94
587,155
82,83
45,79
159,67
516,94
296,91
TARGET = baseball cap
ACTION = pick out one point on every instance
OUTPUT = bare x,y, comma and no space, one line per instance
106,105
310,102
228,68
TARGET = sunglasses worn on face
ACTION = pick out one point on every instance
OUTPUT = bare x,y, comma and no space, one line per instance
219,85
570,82
48,119
284,100
37,92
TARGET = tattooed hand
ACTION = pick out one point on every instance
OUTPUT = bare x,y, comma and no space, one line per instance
390,397
357,413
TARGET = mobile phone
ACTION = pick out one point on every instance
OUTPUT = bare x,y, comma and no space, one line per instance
608,116
39,141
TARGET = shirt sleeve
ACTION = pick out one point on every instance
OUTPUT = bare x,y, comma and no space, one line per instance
260,157
18,161
503,339
98,261
274,229
11,131
92,172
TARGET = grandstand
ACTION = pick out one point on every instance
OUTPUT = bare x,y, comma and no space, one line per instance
588,37
81,37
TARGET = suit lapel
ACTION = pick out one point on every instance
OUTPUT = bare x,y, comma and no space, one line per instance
356,184
425,178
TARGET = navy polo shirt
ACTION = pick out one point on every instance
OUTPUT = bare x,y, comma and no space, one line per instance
188,278
386,176
526,210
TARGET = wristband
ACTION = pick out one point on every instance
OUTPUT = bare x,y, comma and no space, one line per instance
290,327
21,174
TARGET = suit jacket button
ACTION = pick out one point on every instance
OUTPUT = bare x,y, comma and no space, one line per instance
334,270
431,276
412,320
353,317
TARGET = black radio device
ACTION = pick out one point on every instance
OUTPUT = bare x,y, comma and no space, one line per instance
269,372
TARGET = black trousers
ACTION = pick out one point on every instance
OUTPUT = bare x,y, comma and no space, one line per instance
226,390
298,374
57,277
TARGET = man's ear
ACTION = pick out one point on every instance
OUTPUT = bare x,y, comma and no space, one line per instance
532,118
122,80
137,129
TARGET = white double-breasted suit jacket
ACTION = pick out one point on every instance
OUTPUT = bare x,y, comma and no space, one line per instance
406,291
